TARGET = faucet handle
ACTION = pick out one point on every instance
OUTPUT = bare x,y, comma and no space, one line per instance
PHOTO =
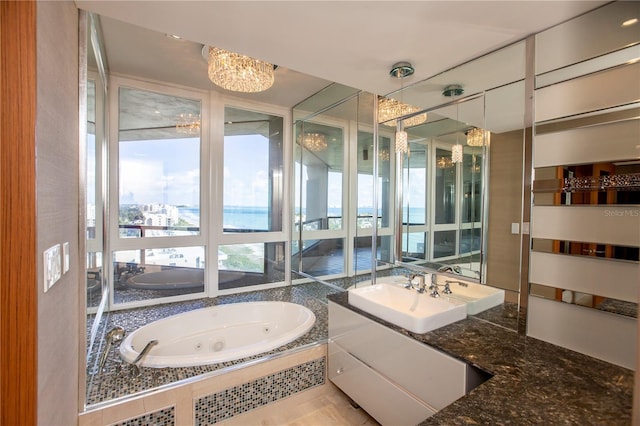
447,289
409,283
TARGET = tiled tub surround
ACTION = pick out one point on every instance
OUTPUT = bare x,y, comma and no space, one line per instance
534,382
217,396
117,382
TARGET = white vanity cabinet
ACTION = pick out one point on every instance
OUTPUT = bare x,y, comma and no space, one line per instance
396,379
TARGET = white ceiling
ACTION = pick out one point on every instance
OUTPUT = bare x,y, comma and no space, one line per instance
354,43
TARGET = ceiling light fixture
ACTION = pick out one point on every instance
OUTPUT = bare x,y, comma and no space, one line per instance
477,137
456,153
629,22
389,110
402,141
313,141
188,124
236,72
452,90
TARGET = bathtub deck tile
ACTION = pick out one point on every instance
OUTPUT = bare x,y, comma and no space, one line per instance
236,400
116,381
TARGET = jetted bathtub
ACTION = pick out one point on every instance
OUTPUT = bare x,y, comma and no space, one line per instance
218,334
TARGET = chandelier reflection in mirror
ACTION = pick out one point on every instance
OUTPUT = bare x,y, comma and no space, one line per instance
384,155
188,124
444,163
390,109
313,141
239,73
456,153
401,140
477,137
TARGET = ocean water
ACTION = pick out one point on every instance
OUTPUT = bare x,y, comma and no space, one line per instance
234,217
257,218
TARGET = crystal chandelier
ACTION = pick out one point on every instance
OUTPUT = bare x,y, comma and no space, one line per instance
188,124
444,163
402,144
476,136
456,153
313,141
384,155
390,109
239,73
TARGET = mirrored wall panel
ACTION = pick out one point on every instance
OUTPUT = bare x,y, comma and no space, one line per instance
586,187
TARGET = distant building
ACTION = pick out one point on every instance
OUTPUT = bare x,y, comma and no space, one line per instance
156,214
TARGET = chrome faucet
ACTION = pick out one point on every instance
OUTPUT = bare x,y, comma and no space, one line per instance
460,283
455,269
421,284
113,336
135,369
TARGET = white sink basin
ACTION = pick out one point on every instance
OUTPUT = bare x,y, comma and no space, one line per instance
478,297
416,312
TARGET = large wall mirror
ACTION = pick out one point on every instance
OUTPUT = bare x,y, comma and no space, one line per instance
432,211
334,150
463,214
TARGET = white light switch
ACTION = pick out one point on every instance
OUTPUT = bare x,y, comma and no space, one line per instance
515,228
52,266
65,258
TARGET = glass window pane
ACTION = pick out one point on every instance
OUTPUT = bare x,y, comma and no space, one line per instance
444,243
91,160
319,257
241,265
469,240
414,186
253,171
159,272
319,176
159,165
414,244
365,181
362,252
445,188
94,278
471,187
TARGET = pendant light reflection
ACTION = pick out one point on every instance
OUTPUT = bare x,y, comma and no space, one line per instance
402,142
456,153
478,137
188,124
315,142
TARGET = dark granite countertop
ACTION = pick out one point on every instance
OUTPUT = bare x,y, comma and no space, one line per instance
533,382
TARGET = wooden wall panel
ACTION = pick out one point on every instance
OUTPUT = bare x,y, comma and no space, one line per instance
18,296
505,208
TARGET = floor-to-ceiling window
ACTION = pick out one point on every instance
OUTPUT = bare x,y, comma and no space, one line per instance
250,237
157,240
319,228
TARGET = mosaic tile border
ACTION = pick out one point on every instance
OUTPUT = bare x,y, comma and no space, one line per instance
164,417
230,402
